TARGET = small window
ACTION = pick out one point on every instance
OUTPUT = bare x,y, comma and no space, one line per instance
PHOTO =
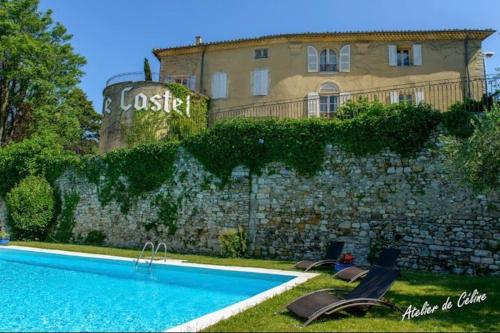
328,61
403,57
261,53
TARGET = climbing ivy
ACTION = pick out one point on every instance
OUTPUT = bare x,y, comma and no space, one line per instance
167,214
66,222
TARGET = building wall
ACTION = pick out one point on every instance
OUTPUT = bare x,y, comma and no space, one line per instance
369,202
287,64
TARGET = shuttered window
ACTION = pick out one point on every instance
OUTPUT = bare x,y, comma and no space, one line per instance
312,59
219,85
260,82
345,59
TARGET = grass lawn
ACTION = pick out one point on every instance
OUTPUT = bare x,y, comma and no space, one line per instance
414,289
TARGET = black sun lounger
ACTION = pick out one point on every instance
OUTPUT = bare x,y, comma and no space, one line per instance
368,293
333,252
386,259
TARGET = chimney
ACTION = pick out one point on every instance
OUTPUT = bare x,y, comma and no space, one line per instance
198,40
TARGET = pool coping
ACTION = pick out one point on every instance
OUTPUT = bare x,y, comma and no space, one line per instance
209,319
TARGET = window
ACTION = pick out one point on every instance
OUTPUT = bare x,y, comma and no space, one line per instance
261,53
328,61
405,98
260,82
219,85
328,105
403,56
188,81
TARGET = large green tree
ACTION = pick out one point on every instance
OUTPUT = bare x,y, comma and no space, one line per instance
39,71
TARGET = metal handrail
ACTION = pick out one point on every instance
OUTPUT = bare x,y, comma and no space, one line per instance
148,243
156,252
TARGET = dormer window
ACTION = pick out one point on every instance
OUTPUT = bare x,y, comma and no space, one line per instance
328,61
261,53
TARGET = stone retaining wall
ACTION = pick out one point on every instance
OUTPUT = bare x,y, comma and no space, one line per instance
371,202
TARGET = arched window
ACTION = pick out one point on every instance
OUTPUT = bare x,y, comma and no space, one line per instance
328,99
328,61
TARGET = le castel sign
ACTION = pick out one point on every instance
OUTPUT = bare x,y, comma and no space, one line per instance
132,97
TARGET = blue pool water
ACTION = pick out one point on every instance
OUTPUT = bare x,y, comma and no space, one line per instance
50,292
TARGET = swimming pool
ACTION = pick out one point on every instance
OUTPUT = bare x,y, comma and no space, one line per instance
50,291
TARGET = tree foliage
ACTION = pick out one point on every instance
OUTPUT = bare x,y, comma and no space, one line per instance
39,72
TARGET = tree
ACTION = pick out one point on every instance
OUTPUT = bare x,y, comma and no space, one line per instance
147,70
38,69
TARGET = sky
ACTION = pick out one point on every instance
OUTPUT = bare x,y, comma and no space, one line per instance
116,35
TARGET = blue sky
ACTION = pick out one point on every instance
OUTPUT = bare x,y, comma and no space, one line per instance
116,35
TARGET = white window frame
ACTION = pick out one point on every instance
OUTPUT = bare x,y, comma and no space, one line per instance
189,81
261,51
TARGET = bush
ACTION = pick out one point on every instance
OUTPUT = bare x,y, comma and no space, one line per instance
353,108
41,156
95,237
476,160
4,235
458,120
31,207
66,220
300,144
234,242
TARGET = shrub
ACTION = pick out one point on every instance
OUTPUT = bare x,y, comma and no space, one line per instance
234,242
95,237
476,160
4,235
353,108
31,206
458,120
41,156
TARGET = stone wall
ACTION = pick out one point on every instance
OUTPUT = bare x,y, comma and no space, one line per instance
370,202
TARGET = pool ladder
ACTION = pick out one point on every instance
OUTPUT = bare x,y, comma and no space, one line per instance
154,252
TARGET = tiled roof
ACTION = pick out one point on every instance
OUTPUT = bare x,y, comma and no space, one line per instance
449,34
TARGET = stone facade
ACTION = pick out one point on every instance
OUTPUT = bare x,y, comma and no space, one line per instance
369,202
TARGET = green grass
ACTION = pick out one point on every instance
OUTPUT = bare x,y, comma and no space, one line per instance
414,289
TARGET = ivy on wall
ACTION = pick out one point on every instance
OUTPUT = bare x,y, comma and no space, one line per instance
66,221
127,174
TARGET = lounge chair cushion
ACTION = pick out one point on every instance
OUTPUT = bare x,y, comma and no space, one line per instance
349,273
306,306
305,263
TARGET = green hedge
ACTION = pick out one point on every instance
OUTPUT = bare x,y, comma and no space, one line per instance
299,144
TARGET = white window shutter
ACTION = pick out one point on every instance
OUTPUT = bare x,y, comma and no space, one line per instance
345,59
312,59
394,97
192,82
344,97
393,55
260,82
419,96
313,105
417,54
219,85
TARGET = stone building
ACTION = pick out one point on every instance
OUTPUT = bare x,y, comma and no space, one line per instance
326,69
